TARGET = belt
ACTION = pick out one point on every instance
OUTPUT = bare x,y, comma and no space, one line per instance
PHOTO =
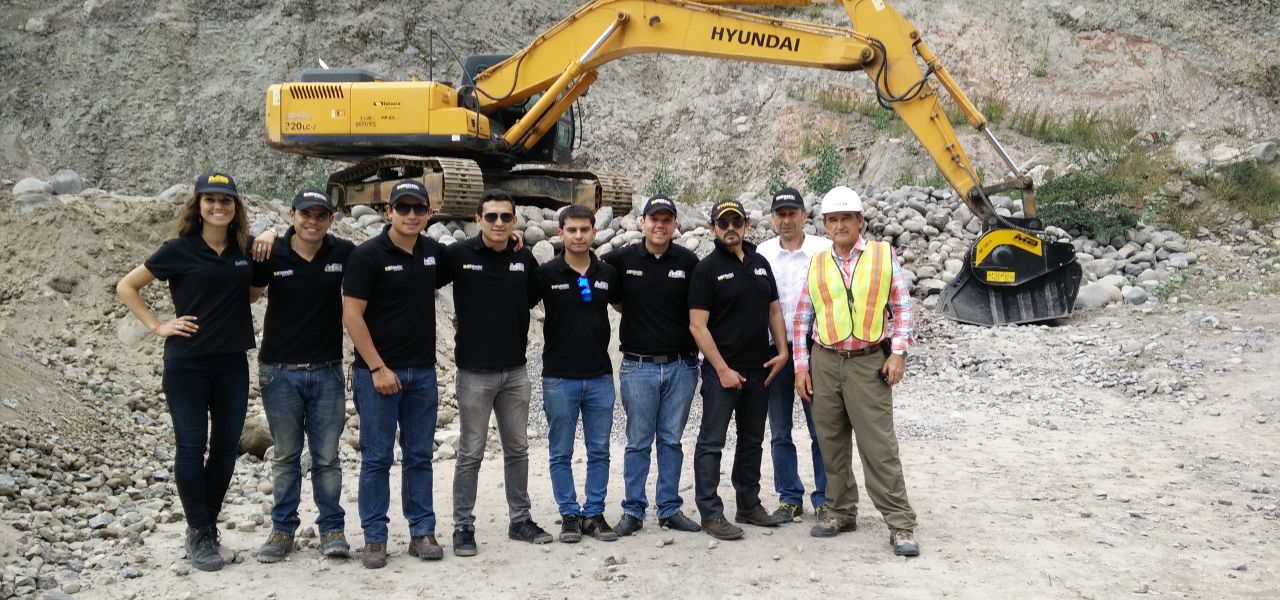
305,366
851,353
657,359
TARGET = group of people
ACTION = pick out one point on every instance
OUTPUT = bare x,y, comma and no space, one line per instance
827,319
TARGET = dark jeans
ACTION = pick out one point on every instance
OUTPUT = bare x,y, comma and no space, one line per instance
207,398
786,467
751,403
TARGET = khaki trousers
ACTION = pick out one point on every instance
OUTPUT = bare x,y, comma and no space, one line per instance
850,401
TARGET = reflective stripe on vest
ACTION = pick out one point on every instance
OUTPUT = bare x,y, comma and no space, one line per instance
833,319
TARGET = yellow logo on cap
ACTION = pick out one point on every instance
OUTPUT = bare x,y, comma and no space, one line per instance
219,179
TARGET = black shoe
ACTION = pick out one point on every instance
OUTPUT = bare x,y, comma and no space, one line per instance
679,522
464,541
202,547
528,531
627,525
277,547
598,528
571,529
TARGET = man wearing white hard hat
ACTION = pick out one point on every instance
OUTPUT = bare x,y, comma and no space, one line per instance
855,298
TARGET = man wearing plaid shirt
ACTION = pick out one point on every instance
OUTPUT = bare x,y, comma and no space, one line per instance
847,377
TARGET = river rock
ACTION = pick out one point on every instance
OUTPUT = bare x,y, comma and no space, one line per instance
255,438
1263,153
66,181
1135,295
534,234
31,185
543,251
1094,295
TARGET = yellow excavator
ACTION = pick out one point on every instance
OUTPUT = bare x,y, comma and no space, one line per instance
511,120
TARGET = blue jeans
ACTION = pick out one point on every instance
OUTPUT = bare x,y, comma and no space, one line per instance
748,407
413,408
563,400
786,468
207,398
656,399
310,402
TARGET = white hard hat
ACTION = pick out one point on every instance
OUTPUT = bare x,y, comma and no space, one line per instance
841,199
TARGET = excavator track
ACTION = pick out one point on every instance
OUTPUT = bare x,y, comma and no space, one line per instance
593,189
455,184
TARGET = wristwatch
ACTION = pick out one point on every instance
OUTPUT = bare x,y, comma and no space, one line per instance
902,353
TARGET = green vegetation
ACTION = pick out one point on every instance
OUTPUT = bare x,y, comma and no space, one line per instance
1042,62
933,180
1247,188
316,177
712,193
1088,201
827,172
661,181
1083,128
774,180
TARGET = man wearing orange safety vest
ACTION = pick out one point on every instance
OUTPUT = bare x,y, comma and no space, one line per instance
850,292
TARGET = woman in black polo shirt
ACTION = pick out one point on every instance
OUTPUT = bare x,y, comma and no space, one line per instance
206,376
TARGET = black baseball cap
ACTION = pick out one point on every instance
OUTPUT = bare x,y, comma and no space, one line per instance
726,206
787,197
409,187
658,203
312,197
216,183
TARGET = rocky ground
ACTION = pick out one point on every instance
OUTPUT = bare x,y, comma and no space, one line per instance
1129,448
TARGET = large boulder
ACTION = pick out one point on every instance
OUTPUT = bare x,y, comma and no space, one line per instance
66,181
1094,295
255,438
32,185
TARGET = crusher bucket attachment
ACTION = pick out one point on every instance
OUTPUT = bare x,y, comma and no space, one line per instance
1013,274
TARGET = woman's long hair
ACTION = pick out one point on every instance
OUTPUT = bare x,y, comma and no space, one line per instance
189,222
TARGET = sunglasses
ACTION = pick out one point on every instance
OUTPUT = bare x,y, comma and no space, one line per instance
584,287
493,217
416,209
725,222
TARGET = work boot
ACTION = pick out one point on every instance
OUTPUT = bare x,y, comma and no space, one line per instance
788,512
721,528
903,542
598,528
277,547
375,555
571,529
425,547
528,531
820,512
832,525
202,548
464,541
628,525
334,544
758,516
679,522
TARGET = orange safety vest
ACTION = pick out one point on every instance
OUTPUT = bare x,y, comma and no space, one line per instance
858,310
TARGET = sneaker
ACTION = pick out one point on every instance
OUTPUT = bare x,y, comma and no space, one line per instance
820,512
721,528
571,529
334,544
528,531
598,528
464,541
375,555
903,542
758,516
788,512
679,522
277,547
628,525
425,547
202,548
831,526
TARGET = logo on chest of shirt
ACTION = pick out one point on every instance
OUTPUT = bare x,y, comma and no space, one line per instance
428,261
284,273
242,263
472,267
635,272
560,286
390,268
333,268
603,285
516,267
675,274
724,276
761,271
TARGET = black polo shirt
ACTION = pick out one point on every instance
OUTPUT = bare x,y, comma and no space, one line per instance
492,294
304,308
576,332
654,293
400,290
213,288
737,293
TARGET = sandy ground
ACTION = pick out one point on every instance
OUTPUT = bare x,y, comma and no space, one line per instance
1169,495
